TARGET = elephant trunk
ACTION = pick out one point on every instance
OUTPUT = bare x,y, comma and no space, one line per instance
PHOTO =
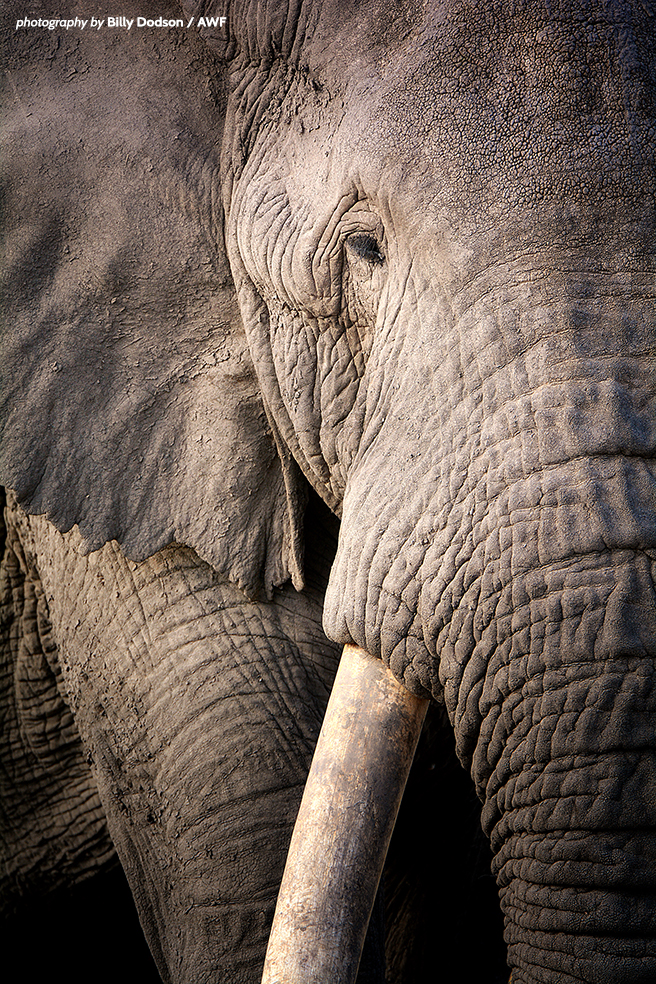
344,825
563,757
576,870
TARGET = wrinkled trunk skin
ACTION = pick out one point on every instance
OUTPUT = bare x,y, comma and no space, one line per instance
561,746
521,590
198,712
572,826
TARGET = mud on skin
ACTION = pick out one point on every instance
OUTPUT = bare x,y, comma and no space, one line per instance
336,326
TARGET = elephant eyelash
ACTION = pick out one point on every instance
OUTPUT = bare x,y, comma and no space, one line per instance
366,248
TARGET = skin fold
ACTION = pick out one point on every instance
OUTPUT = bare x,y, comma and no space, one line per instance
336,326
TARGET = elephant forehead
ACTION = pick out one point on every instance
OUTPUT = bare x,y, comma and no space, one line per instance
469,126
520,121
586,55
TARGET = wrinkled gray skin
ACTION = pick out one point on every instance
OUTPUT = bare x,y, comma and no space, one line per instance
402,255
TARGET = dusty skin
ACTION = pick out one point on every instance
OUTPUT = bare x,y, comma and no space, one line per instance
333,325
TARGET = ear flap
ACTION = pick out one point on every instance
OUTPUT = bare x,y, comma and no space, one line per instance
129,403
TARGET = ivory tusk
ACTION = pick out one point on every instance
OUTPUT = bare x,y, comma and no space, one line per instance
344,825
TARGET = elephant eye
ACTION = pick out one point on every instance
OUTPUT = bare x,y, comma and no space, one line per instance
366,247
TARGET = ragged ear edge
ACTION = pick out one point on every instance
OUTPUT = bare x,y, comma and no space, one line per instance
129,404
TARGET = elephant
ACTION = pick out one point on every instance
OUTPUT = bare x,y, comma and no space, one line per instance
329,327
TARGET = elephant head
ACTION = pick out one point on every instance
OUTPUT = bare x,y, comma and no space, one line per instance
404,260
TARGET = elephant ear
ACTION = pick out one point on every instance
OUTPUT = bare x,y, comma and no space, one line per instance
128,401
